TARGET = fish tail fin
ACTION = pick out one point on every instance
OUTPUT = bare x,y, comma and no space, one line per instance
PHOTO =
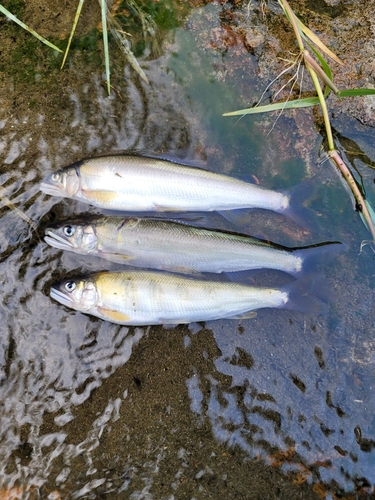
313,257
308,294
296,209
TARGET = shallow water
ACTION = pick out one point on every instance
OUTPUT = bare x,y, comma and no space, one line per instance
279,406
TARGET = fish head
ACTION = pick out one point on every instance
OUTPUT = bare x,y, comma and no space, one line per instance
65,182
76,236
78,293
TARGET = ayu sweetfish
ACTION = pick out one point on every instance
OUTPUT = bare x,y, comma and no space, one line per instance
168,245
143,183
152,298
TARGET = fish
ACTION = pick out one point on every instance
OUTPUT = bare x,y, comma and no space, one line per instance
156,184
141,298
172,246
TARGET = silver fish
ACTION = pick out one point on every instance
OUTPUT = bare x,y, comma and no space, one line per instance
168,245
141,183
151,298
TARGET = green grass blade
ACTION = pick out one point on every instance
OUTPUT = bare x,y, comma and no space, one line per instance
314,38
103,4
355,92
126,49
76,17
297,103
310,61
308,34
125,46
323,62
30,30
326,68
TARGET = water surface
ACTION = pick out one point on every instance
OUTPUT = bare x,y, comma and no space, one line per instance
279,406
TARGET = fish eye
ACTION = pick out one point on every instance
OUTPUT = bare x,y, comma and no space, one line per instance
69,230
71,171
55,177
70,286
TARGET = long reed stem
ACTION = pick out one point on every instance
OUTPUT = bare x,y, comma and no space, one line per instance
323,105
360,201
310,63
294,23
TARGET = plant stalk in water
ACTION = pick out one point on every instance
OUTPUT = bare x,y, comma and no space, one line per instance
323,72
312,66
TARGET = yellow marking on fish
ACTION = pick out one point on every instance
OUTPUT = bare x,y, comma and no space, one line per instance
113,315
111,283
87,170
100,196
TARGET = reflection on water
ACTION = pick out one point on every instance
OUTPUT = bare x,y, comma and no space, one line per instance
89,408
288,402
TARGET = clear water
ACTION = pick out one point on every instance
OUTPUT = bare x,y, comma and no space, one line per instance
93,410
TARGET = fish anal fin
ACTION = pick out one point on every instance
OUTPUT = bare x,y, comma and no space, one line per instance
248,315
115,316
169,326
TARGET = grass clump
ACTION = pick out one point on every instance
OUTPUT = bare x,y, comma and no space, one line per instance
311,56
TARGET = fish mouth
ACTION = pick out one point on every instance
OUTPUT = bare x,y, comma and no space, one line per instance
48,188
57,241
61,297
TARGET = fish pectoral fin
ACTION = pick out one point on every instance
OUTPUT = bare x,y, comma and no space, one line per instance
100,196
119,257
115,316
238,217
245,276
248,315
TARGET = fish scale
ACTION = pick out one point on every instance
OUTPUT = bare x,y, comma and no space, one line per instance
147,298
136,183
141,183
168,245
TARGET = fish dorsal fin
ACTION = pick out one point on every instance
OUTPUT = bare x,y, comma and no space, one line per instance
182,157
241,217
